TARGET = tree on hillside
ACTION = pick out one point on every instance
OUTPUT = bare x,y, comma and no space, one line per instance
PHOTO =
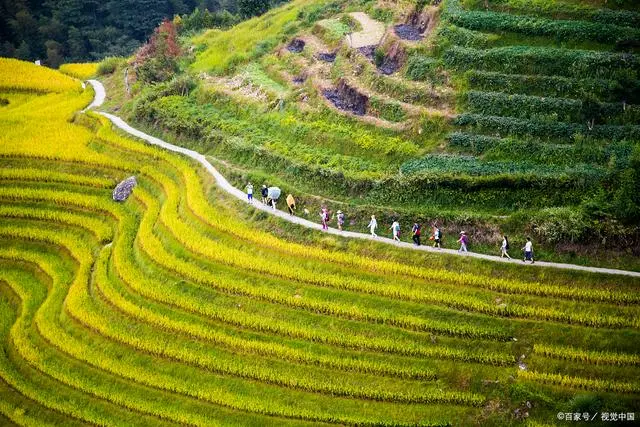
249,8
157,60
88,30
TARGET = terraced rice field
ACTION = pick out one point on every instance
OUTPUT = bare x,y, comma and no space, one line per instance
171,309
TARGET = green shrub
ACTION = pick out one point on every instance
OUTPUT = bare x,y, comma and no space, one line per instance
521,127
533,150
391,111
199,20
469,165
421,68
555,9
449,35
530,26
560,224
109,65
382,14
556,86
546,61
554,109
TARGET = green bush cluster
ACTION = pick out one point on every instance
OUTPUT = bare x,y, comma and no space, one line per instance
531,26
450,35
420,67
391,111
555,9
559,130
109,65
550,109
470,165
199,20
546,61
537,151
556,86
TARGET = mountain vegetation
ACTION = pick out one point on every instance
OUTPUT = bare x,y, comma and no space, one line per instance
472,114
183,306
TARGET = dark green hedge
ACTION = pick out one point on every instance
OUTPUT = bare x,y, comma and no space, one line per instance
579,64
522,127
537,151
470,165
555,86
554,109
562,10
532,26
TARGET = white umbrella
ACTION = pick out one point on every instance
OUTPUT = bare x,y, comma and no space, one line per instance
273,193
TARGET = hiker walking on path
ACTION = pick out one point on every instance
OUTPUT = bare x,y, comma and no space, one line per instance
504,248
291,203
416,233
437,237
528,251
340,218
373,224
250,192
324,216
273,194
395,228
463,240
264,191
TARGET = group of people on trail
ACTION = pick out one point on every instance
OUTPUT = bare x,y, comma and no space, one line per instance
527,249
326,216
270,197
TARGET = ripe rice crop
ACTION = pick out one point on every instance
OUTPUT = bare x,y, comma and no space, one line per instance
81,71
171,308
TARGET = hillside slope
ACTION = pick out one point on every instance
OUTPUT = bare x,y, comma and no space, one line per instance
506,119
175,307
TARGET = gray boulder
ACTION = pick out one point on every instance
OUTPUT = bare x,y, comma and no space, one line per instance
124,189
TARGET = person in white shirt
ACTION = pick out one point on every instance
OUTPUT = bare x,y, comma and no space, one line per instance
395,228
373,224
528,251
250,192
504,248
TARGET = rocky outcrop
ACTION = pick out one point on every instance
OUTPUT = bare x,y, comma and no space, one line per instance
296,45
124,189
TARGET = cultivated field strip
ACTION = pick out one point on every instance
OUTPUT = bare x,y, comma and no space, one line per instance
166,309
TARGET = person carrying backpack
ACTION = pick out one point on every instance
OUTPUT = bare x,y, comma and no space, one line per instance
324,216
265,192
437,237
395,229
528,251
416,233
504,248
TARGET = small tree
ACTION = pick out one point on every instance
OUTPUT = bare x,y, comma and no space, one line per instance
157,60
249,8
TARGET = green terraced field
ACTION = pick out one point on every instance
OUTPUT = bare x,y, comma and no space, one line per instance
174,308
507,116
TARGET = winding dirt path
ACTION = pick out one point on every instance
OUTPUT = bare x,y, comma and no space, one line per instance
239,194
371,34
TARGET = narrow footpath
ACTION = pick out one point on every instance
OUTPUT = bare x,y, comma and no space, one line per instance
241,195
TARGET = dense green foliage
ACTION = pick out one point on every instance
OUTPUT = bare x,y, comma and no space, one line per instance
581,30
79,30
